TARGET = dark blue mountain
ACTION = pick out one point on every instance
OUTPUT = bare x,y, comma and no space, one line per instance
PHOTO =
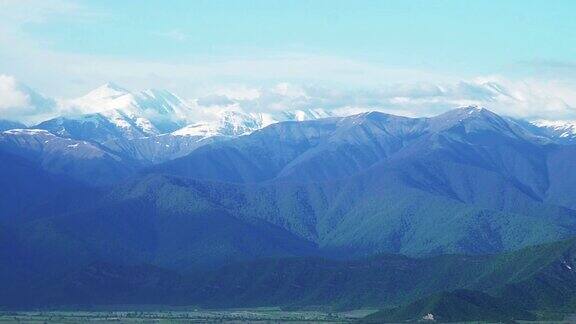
29,192
375,182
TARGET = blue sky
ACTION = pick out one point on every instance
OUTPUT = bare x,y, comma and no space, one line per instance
459,36
67,47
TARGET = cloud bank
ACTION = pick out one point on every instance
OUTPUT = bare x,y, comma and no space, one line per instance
522,99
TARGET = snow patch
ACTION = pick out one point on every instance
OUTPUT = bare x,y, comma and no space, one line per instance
563,128
428,317
26,131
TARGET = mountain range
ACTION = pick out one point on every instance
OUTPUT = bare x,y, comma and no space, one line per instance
132,187
132,130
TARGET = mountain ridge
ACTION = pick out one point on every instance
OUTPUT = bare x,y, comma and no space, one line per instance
316,197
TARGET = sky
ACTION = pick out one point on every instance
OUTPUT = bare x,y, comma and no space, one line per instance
422,54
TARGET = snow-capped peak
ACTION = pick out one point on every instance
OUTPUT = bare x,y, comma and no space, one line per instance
108,90
148,112
106,97
113,97
229,123
238,123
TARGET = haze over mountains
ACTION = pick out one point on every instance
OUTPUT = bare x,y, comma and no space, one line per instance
132,180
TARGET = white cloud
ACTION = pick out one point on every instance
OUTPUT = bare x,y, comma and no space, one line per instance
524,99
19,102
530,99
10,95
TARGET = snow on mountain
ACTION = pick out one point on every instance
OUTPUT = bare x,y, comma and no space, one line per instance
147,126
564,129
111,111
81,160
97,127
224,125
236,123
148,102
229,123
48,145
149,112
106,97
27,132
156,125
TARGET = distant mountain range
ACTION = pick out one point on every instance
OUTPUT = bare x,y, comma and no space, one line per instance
559,129
138,183
154,126
137,129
